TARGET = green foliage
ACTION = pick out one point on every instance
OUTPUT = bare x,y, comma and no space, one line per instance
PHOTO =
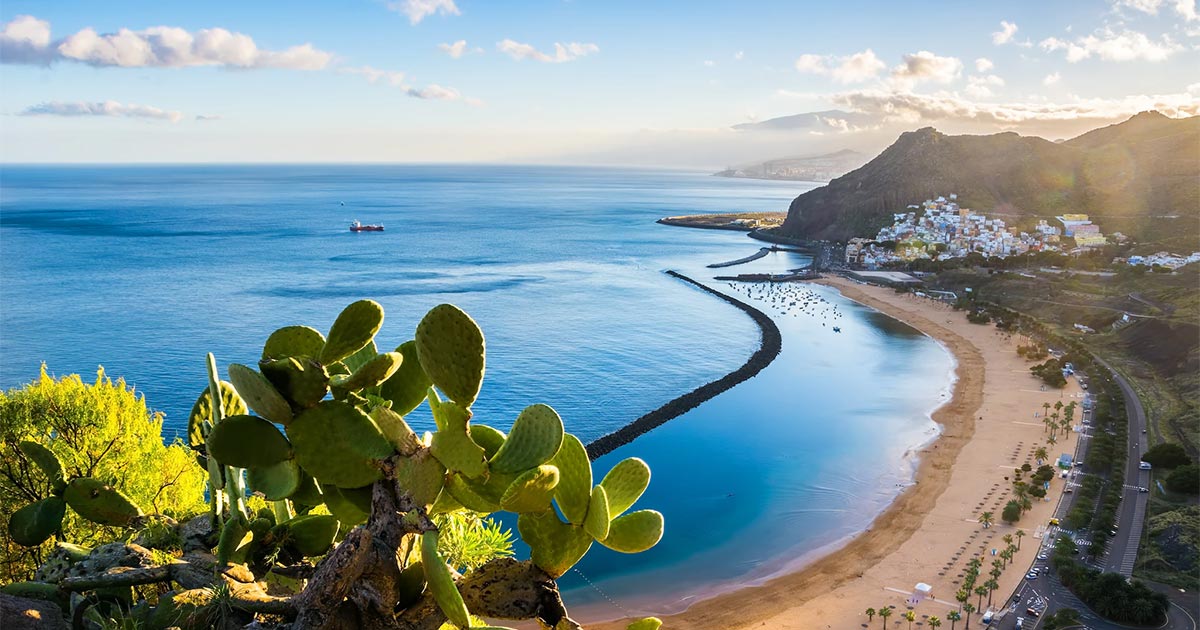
101,430
1166,455
468,540
1011,512
1051,373
1109,594
1062,618
1185,479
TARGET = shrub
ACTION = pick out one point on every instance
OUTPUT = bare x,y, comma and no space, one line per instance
102,430
1166,455
1185,479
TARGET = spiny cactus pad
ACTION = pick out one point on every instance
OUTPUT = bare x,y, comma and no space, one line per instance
487,438
531,491
635,532
473,496
277,481
260,394
597,521
535,437
624,484
33,524
338,444
100,503
248,442
353,329
44,459
201,417
575,479
555,546
302,381
360,358
441,583
312,534
451,349
372,373
396,430
452,443
293,341
422,475
445,502
406,388
343,508
234,534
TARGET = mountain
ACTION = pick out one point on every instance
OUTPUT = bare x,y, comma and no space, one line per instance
831,119
1128,176
814,168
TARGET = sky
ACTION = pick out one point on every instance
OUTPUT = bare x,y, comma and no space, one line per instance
646,83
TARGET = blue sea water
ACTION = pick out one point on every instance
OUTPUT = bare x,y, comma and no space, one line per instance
144,269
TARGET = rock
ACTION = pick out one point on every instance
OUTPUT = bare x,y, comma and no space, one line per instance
198,534
112,555
19,613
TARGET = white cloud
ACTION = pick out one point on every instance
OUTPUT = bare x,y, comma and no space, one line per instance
562,52
431,92
1184,8
739,55
980,86
456,50
1052,79
26,40
434,92
1112,46
708,63
856,68
983,64
1005,34
417,10
924,66
204,117
111,109
375,75
1187,10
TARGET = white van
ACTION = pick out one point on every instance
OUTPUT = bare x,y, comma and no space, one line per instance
987,616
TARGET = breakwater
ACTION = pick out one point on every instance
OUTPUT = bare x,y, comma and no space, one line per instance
770,343
755,256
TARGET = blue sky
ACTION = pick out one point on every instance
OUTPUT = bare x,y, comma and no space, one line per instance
635,82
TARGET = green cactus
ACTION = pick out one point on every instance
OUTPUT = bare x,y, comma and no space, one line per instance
234,535
407,386
422,475
555,546
445,502
396,430
37,590
451,349
35,523
301,380
360,358
259,394
441,583
100,503
343,508
307,492
473,496
597,522
635,532
489,439
354,328
531,491
277,481
200,420
312,534
371,374
452,443
624,484
46,460
248,442
360,498
338,444
574,489
411,584
293,341
535,437
646,623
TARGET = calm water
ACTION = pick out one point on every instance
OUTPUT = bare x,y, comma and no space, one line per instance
144,270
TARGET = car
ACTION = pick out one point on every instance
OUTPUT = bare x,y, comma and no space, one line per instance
1145,466
1143,489
1042,556
1032,612
1031,576
1069,490
1143,430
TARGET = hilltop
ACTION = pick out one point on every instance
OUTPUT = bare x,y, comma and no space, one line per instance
1139,176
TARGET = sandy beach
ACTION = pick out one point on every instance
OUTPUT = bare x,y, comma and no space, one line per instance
930,532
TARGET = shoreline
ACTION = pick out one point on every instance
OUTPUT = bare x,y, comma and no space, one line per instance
770,344
844,561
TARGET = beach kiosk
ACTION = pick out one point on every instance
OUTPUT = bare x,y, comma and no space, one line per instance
921,592
1064,460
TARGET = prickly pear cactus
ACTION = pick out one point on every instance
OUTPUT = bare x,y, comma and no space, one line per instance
625,484
407,386
535,438
294,341
556,546
355,327
635,532
259,394
441,583
598,519
248,442
574,490
35,523
46,461
531,491
99,502
338,444
451,350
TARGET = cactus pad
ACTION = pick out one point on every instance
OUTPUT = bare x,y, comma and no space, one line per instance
396,430
360,358
234,534
473,496
488,438
575,479
201,417
293,341
343,508
535,437
100,503
452,443
259,394
338,444
410,585
406,388
555,546
441,583
312,534
451,350
645,623
635,532
372,373
277,481
597,521
624,484
531,491
307,492
422,475
302,381
44,459
248,442
445,503
33,524
354,328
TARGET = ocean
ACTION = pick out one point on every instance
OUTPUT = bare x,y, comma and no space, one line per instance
145,269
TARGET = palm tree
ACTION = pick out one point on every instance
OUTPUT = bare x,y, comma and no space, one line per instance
1051,441
1007,538
910,617
870,615
1040,455
981,591
934,622
986,519
1045,409
991,585
884,613
953,616
1058,404
962,596
1020,534
1007,555
968,608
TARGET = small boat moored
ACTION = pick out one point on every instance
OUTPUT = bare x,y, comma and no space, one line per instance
359,227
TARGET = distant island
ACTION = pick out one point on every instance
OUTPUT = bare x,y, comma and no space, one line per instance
815,168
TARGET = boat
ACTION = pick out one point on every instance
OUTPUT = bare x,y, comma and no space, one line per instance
359,227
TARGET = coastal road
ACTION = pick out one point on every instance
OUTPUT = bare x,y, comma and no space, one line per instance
1123,550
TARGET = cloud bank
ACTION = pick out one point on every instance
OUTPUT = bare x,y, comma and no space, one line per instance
110,109
856,68
562,52
1109,45
417,10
